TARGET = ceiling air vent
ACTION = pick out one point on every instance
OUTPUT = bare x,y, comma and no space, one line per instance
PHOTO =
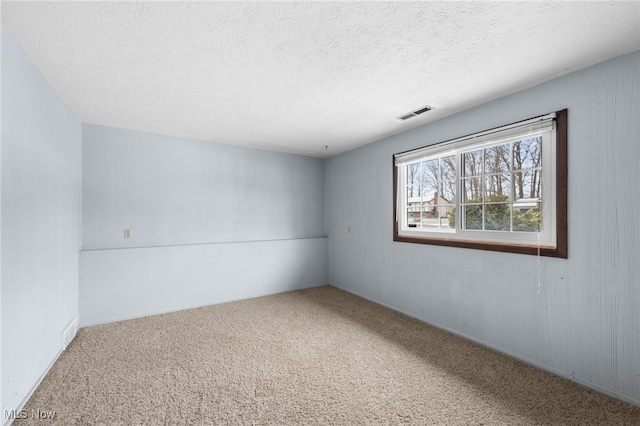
414,113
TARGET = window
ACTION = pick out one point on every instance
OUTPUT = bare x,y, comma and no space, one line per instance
504,189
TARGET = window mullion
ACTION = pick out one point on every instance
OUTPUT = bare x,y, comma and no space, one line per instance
482,178
459,191
512,187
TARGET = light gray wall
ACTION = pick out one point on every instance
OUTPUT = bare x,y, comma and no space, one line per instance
210,223
1,136
170,191
41,222
578,317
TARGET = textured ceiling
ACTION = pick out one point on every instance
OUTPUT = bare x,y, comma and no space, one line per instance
299,76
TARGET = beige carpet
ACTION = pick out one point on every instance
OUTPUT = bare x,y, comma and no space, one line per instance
318,356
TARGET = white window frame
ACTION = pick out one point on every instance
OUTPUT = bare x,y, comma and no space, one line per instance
544,241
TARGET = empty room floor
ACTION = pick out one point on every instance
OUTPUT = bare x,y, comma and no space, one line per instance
316,356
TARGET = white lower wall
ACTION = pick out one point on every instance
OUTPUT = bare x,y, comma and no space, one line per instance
118,284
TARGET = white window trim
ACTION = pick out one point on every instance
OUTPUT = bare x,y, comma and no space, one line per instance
546,239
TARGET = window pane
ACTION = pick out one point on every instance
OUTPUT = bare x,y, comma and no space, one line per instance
430,189
497,217
527,153
447,218
497,188
496,159
430,215
413,174
473,217
527,220
527,184
413,192
448,167
438,217
449,191
473,163
472,190
430,170
413,217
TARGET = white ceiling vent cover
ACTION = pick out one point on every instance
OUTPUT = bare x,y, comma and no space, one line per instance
408,115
